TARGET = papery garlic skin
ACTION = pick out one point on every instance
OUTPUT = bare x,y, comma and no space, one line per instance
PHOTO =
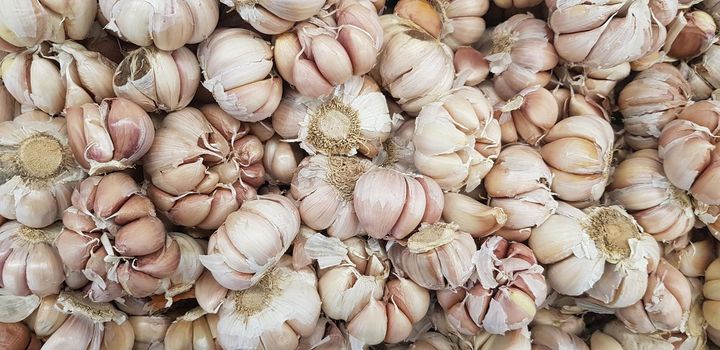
245,88
195,327
398,151
37,169
149,330
87,74
615,336
551,337
573,103
326,336
275,17
471,216
596,83
46,319
27,23
17,336
460,21
691,34
202,165
456,139
527,116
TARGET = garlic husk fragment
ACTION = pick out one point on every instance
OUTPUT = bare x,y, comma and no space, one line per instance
615,336
149,331
281,160
390,204
242,83
471,216
46,319
527,116
195,330
602,252
454,22
274,313
691,34
456,139
17,336
597,84
27,23
275,17
87,74
37,169
16,308
251,241
202,165
545,337
326,336
34,80
158,80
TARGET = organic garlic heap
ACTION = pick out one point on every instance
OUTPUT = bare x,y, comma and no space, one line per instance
169,24
194,330
26,23
527,116
251,241
456,139
456,22
17,336
691,34
471,216
601,252
579,151
37,169
507,287
521,54
272,16
202,166
109,136
650,101
341,41
639,184
519,183
158,80
241,83
391,205
545,337
30,261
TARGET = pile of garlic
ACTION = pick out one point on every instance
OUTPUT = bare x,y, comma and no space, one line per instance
359,174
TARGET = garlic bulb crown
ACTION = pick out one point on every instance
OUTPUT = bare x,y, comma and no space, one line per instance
27,23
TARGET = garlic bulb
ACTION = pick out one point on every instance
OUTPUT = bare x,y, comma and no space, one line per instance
149,331
194,330
202,166
30,261
519,183
545,337
324,187
502,296
242,83
527,116
251,241
414,67
390,204
690,35
650,101
17,336
639,184
572,103
37,169
274,313
694,258
87,75
615,336
189,268
579,151
456,139
156,79
281,160
602,252
340,42
600,34
46,318
111,136
167,24
521,53
435,257
455,22
471,216
272,16
687,148
471,65
26,23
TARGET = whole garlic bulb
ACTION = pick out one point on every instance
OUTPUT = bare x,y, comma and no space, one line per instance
158,80
251,241
202,165
114,238
38,171
340,42
471,216
454,22
30,260
640,186
196,329
602,252
109,136
527,116
26,23
456,139
17,336
167,24
390,204
521,54
502,296
272,16
579,151
547,337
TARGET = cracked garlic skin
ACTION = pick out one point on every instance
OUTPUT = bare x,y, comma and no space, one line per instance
26,23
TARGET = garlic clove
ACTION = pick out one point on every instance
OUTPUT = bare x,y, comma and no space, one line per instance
370,325
140,237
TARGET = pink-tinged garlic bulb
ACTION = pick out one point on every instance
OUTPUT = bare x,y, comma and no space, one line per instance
687,148
283,306
599,34
579,151
573,103
195,330
640,186
158,80
340,42
242,83
691,34
598,84
324,188
326,336
436,256
390,204
519,184
456,139
615,336
281,160
87,74
251,241
471,216
202,165
275,17
454,22
650,101
471,65
37,169
602,252
26,23
665,305
114,238
189,268
546,337
167,24
109,136
414,67
504,293
17,336
527,116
